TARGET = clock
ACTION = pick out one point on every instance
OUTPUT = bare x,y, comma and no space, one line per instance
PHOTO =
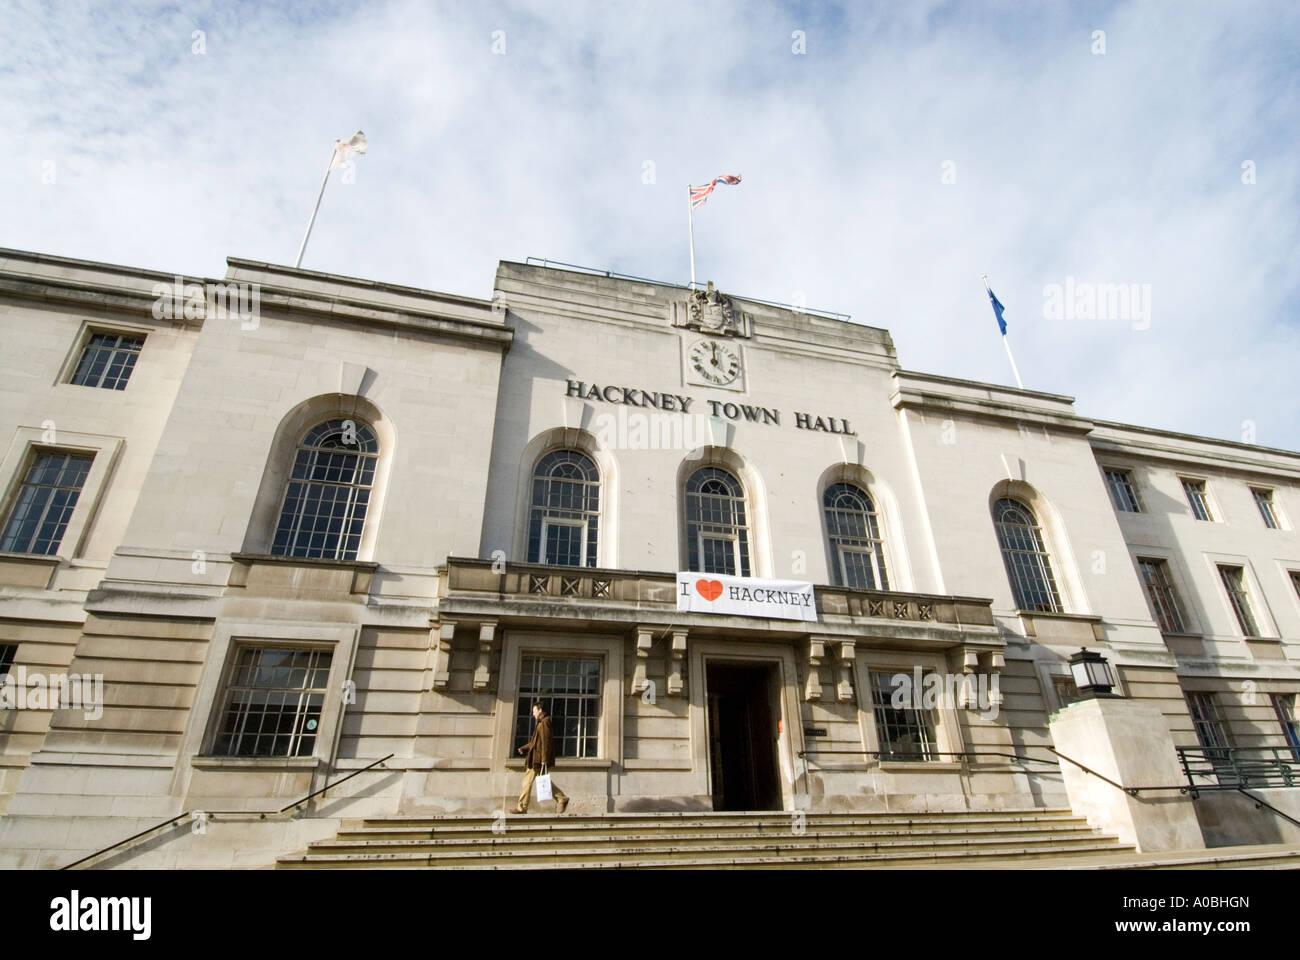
715,362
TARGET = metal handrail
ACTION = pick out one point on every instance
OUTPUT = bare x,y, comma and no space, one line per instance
1261,802
223,813
1234,767
1131,791
337,782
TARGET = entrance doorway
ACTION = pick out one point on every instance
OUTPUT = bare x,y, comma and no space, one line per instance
743,736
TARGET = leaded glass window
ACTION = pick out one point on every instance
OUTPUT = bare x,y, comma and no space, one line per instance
273,702
564,522
857,549
107,360
906,732
717,535
569,690
328,492
1028,566
45,501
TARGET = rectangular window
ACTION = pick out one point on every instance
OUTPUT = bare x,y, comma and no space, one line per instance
1210,728
1264,500
273,702
1284,707
569,690
563,541
107,360
1122,491
1160,594
863,568
1295,581
45,501
718,554
1195,490
907,731
7,653
1234,581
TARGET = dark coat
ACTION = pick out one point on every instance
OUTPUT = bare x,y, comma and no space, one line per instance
540,750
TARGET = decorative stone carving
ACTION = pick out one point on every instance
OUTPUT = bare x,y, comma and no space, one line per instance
710,312
813,688
483,670
844,689
442,654
676,685
644,641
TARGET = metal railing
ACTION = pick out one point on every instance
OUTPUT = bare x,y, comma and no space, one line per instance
1231,768
921,756
614,275
262,815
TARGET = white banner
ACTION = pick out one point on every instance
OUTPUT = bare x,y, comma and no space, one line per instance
746,596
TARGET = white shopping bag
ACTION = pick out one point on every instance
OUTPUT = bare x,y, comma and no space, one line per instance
543,783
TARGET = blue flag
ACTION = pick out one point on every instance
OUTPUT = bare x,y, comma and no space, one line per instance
997,311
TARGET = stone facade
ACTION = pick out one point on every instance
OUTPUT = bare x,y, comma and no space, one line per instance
169,567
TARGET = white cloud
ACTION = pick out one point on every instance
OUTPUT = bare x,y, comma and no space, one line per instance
1117,168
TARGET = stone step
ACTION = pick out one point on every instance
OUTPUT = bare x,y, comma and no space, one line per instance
719,858
712,820
560,828
363,841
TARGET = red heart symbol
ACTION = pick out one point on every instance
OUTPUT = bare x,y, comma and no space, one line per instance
708,589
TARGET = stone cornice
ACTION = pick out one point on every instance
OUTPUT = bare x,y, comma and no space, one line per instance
951,397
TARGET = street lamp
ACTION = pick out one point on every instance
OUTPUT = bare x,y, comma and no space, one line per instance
1092,674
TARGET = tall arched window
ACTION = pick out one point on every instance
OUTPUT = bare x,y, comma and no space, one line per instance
325,500
563,527
857,550
1028,566
717,536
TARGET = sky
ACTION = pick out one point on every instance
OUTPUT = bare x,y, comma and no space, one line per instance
891,154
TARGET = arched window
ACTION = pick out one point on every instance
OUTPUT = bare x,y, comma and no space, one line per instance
857,550
1028,566
564,524
717,536
325,500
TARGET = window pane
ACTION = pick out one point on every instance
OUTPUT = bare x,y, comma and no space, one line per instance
1160,595
856,544
717,535
906,732
325,501
1234,581
569,690
44,503
1195,491
273,702
1028,566
1122,491
565,511
1264,500
107,360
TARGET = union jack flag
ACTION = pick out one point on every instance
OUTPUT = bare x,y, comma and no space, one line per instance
700,194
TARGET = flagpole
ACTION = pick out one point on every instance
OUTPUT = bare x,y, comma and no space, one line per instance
1006,343
690,223
302,249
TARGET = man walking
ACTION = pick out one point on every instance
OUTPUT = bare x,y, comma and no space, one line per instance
538,753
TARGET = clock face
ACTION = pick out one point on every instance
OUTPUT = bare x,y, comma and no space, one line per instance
715,362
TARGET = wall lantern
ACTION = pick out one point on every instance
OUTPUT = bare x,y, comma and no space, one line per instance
1092,674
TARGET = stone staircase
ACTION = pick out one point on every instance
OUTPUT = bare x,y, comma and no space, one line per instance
713,840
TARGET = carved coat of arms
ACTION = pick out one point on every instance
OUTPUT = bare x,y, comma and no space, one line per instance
710,312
